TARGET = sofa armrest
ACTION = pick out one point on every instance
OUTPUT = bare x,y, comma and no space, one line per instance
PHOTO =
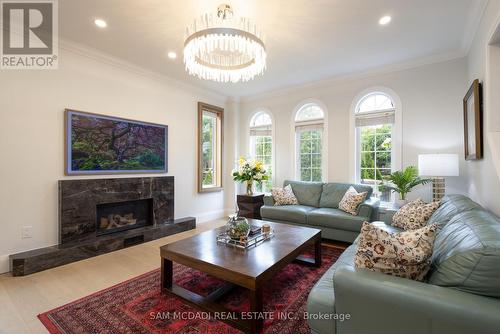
368,208
389,213
268,200
379,303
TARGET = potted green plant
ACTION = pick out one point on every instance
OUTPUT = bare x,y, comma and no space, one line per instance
237,228
402,182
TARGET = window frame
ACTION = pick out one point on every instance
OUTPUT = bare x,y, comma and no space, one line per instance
217,146
311,124
251,148
298,131
396,131
359,151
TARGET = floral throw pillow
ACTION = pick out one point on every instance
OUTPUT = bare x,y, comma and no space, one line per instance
414,215
351,200
284,196
406,254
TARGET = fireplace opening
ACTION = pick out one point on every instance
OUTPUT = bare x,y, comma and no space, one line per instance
120,216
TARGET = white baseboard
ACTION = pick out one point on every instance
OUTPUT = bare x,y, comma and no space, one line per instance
212,215
4,264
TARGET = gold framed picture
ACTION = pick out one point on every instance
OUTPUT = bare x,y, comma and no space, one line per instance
473,123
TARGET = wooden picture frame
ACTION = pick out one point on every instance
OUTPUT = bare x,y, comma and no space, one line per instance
152,137
210,172
473,129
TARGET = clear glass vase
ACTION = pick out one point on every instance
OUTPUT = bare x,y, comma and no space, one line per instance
250,188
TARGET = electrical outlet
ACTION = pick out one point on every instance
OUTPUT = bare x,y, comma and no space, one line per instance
26,232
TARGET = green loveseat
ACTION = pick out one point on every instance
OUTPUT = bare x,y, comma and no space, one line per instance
318,208
461,294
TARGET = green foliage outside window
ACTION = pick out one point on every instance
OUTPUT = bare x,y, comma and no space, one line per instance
263,152
376,147
208,126
310,142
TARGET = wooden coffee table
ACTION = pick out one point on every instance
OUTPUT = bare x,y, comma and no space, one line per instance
249,268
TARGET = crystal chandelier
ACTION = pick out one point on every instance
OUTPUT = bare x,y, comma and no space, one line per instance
224,48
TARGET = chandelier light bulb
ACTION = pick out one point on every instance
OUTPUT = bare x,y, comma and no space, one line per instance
385,20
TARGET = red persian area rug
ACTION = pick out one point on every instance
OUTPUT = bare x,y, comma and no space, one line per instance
138,306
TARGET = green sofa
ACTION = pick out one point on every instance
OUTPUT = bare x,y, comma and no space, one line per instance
318,208
460,295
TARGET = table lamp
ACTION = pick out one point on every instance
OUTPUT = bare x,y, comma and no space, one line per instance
437,166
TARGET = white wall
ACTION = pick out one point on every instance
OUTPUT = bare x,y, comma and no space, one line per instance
32,139
483,176
431,98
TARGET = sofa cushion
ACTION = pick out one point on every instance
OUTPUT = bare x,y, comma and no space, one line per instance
451,205
284,196
383,226
333,192
351,201
335,218
292,213
467,254
406,254
387,227
414,215
307,193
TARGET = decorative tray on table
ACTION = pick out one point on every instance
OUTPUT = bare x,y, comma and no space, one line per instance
245,242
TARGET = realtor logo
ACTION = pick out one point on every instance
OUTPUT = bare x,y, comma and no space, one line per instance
29,34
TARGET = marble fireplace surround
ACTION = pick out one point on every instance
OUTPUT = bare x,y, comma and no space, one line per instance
78,200
79,240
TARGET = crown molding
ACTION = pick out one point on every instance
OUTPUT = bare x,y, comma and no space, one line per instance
473,23
233,99
105,58
387,69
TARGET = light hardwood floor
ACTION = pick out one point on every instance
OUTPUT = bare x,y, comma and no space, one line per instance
23,298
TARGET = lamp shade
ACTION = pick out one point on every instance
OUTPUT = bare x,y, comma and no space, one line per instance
438,164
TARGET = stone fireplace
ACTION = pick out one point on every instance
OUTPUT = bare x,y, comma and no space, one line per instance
98,216
86,205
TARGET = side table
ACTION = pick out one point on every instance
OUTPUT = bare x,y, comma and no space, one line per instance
249,205
386,211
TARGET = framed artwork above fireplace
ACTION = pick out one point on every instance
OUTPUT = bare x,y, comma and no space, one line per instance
99,144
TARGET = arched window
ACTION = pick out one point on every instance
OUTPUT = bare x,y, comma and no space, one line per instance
309,128
375,123
261,145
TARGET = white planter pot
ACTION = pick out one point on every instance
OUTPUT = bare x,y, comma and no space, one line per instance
401,202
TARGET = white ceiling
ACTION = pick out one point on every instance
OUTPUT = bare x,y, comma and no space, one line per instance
306,40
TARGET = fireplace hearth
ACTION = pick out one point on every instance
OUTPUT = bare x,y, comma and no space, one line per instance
98,216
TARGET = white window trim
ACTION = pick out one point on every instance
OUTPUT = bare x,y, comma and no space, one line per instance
323,123
298,130
273,138
397,132
358,160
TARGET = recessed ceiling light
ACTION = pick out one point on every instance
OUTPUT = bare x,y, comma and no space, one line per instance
172,55
100,23
385,20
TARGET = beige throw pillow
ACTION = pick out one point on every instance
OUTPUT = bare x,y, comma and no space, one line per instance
284,196
351,200
414,215
406,254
